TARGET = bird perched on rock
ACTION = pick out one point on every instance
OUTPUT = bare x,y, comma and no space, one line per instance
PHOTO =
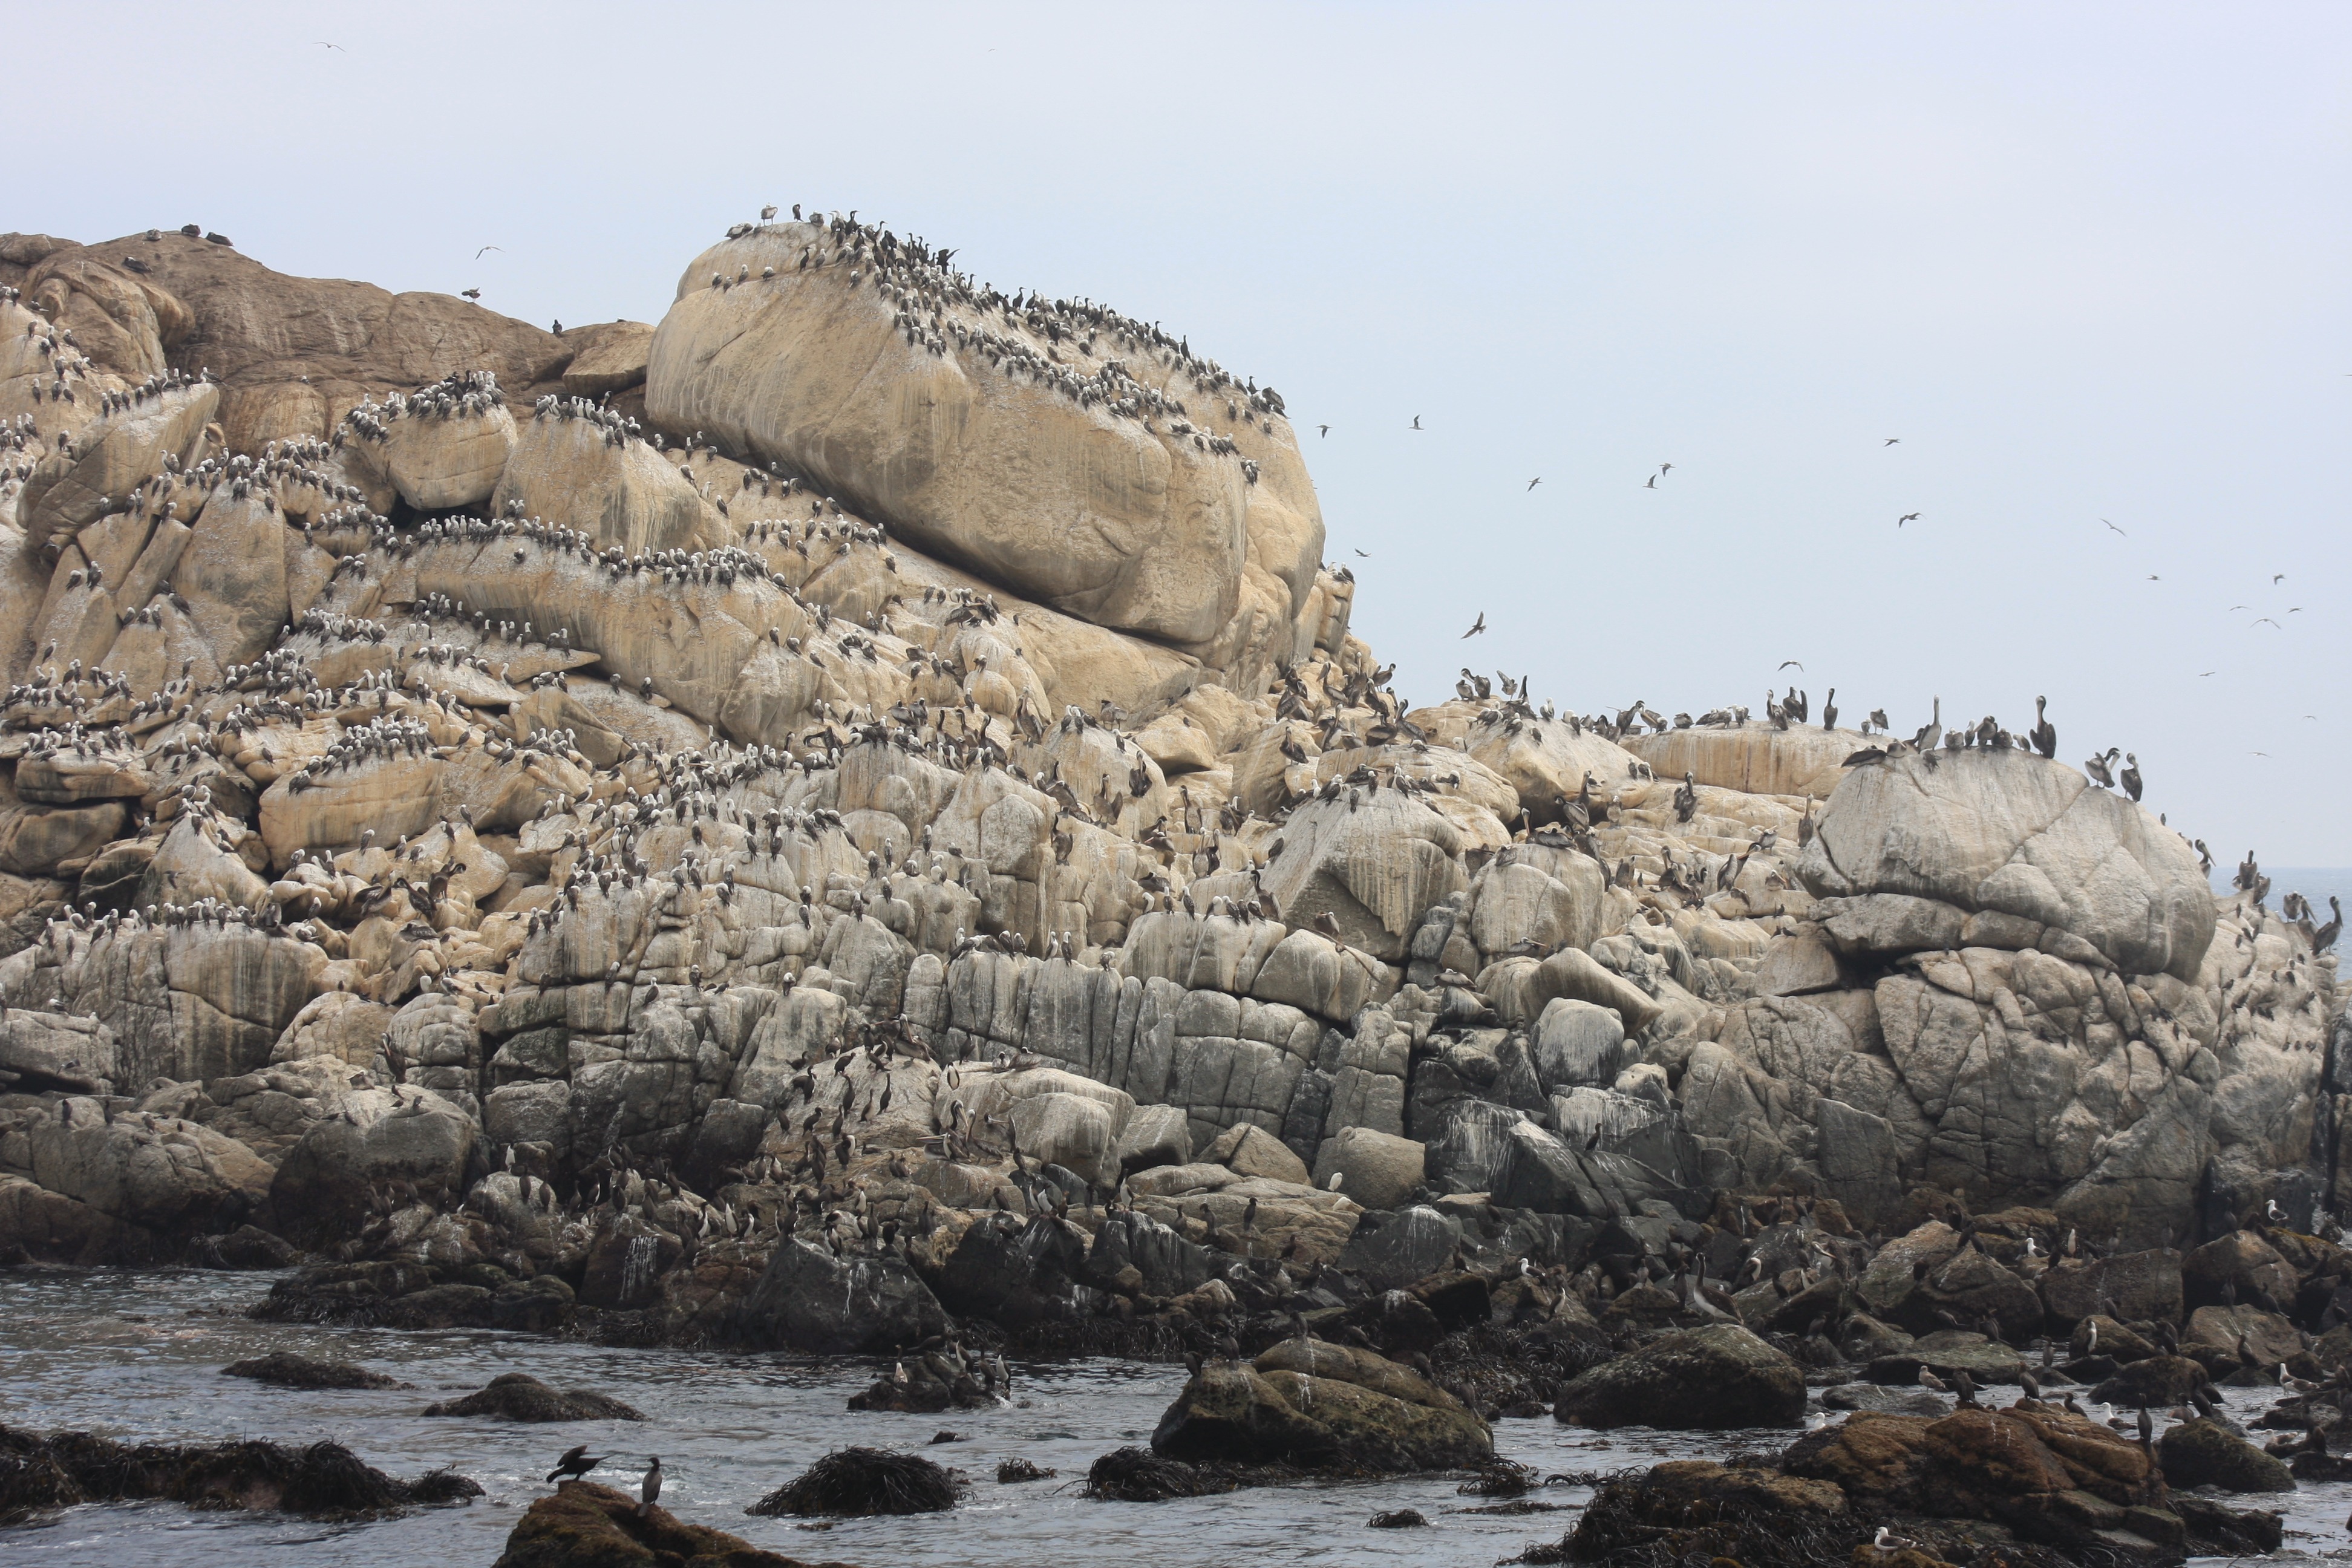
649,1488
576,1462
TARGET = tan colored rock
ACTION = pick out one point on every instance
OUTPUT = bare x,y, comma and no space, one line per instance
1129,526
1521,987
1755,758
1378,1170
2013,834
111,455
609,357
1376,868
1248,1149
439,461
121,320
233,573
624,495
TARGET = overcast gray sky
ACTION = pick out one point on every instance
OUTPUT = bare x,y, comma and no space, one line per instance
2087,261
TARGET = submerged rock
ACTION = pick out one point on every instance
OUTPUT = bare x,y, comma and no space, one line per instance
325,1481
287,1370
856,1482
519,1396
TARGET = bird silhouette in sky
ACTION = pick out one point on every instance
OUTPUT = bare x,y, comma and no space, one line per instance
1534,482
1416,421
1891,440
1480,627
2117,529
470,293
1326,431
477,255
2277,578
1907,517
1365,553
324,45
1651,483
1787,662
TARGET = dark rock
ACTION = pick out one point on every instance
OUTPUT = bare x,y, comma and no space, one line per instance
1018,1273
1323,1408
585,1525
2214,1531
1165,1264
1392,1247
626,1261
1139,1475
1985,1361
1398,1519
247,1246
1014,1471
1693,1379
2145,1287
2158,1381
439,1307
540,1305
808,1299
855,1483
2202,1453
286,1370
324,1481
519,1396
2240,1264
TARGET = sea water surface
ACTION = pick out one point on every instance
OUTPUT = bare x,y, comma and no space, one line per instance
137,1355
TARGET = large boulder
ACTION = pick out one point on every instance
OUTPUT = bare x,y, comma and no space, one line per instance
1015,444
2206,1454
583,1525
1707,1379
150,1183
810,1301
2011,833
1375,864
1321,1406
401,1140
1378,1170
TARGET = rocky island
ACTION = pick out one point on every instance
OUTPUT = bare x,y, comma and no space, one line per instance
852,820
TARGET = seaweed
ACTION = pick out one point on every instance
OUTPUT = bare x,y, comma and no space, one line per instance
857,1481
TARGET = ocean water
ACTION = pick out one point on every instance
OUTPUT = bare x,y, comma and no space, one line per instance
137,1355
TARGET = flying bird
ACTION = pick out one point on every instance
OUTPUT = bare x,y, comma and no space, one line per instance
2208,672
1534,482
324,45
1907,517
1665,467
1787,662
2154,578
1891,440
2266,621
2277,578
477,255
1652,483
1365,553
1325,430
469,293
1416,421
2117,529
1480,627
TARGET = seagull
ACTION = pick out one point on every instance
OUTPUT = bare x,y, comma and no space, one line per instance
1787,662
477,255
2154,578
1416,421
2266,621
469,293
2208,672
1652,483
2117,529
1891,440
1365,553
324,45
1324,430
1907,517
2277,578
1534,482
1480,627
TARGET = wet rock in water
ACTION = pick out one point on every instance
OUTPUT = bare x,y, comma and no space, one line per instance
325,1481
2156,1380
1877,1396
1707,1379
1139,1475
585,1525
2203,1453
2215,1530
1697,1510
287,1370
1321,1408
519,1396
247,1247
1015,1470
855,1482
1397,1519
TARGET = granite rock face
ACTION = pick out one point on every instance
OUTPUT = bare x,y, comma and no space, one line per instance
858,805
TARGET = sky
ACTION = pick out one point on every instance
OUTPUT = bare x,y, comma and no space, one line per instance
2086,263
